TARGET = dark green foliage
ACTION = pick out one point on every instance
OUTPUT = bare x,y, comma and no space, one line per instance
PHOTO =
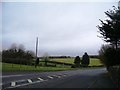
112,56
85,60
17,55
109,56
102,52
110,31
37,62
110,28
77,61
73,66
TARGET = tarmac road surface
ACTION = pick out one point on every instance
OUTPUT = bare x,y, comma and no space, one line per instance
92,78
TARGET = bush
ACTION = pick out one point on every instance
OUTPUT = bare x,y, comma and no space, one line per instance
109,56
85,60
17,55
17,61
102,52
112,56
77,61
73,66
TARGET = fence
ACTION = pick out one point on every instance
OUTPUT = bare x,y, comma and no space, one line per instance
62,63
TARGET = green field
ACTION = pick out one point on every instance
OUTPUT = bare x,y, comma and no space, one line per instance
93,61
65,60
17,67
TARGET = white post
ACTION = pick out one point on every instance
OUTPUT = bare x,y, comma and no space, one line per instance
36,46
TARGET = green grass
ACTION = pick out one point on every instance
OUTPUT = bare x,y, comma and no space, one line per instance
93,61
65,60
17,67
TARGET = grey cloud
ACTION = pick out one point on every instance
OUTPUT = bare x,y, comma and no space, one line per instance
62,28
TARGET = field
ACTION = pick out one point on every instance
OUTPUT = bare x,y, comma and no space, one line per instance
93,61
65,60
17,67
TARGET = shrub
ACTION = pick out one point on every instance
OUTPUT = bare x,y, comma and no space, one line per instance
77,61
17,55
102,52
85,60
109,56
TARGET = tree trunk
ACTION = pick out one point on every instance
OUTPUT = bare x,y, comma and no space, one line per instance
116,45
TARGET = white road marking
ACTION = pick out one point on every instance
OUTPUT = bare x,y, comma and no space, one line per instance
41,79
29,80
57,76
64,75
26,84
9,76
13,84
20,80
50,77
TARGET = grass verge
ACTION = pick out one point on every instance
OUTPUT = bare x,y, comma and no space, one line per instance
17,67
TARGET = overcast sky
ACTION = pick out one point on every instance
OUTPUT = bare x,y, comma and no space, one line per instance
63,28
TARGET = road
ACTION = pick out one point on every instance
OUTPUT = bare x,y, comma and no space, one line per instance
93,78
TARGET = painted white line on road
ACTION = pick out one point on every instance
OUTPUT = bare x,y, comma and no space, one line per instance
25,84
29,80
10,76
64,75
20,80
90,86
41,79
50,77
13,84
57,76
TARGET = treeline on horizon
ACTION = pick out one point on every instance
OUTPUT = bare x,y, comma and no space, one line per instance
91,56
17,54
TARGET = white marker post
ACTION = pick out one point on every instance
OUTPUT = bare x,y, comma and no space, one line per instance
36,51
119,4
36,46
